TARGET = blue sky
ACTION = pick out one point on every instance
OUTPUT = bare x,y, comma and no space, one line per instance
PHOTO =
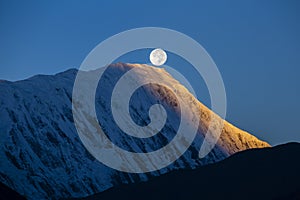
255,45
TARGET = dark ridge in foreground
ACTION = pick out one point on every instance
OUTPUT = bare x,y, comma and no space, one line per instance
269,173
6,193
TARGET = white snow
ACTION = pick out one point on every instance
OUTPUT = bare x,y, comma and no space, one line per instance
41,154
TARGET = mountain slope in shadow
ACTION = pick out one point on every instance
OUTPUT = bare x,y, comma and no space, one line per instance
269,173
43,157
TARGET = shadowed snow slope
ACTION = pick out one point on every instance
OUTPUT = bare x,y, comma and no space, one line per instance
42,156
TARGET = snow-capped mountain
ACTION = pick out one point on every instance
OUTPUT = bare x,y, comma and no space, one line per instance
42,156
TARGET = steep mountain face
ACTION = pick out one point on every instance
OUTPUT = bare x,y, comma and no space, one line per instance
261,174
42,156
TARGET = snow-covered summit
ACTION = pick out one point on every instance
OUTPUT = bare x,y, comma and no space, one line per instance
42,156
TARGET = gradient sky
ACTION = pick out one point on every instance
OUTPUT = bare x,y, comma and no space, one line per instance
255,44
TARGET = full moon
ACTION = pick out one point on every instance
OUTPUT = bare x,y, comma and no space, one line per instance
158,57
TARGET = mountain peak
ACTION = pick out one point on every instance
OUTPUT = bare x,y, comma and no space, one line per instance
39,141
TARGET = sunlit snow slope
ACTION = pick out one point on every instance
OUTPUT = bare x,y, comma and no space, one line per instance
42,156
